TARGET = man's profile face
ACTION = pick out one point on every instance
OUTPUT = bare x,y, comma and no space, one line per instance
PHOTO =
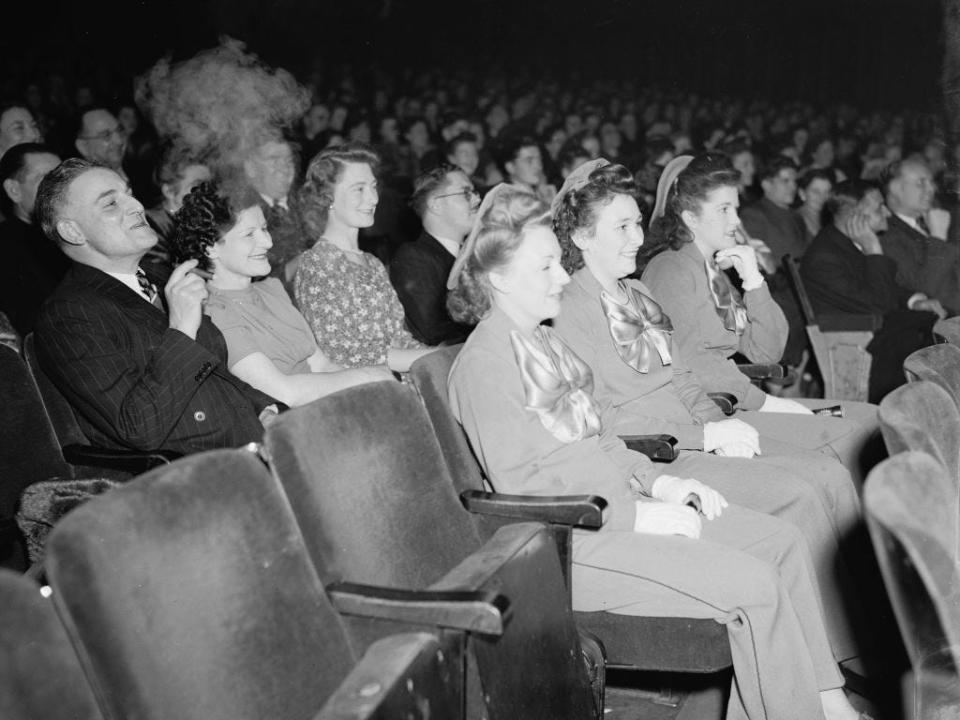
271,169
17,126
781,189
102,139
874,211
105,216
36,166
914,189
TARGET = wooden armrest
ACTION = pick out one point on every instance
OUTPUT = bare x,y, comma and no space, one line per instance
394,678
848,322
727,402
573,510
661,448
135,461
481,611
763,371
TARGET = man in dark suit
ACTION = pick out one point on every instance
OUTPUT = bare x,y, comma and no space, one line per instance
33,265
916,238
447,203
271,169
846,271
139,372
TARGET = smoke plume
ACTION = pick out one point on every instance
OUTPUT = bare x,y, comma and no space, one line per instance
221,104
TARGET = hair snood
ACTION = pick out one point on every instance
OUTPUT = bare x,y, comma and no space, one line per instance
506,213
685,188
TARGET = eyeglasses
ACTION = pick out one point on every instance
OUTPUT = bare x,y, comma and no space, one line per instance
106,135
468,193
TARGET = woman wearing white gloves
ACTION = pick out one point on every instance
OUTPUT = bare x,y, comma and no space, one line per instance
525,402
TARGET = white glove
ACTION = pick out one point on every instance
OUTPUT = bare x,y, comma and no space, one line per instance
719,435
655,518
743,258
784,405
676,490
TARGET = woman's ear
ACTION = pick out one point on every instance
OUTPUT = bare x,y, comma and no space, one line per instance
690,220
213,250
582,239
498,281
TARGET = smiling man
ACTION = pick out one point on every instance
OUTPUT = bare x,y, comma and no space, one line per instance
142,369
447,203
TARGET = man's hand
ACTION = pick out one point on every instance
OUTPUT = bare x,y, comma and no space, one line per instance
938,221
185,292
930,305
857,228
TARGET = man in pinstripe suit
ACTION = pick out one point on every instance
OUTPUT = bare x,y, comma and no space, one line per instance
142,369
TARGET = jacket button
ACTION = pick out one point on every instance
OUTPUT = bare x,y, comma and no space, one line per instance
199,416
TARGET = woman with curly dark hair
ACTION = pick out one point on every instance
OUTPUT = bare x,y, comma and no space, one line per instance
525,400
695,234
617,327
269,344
344,293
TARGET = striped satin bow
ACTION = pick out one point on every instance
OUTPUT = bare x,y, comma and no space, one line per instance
558,385
639,328
727,300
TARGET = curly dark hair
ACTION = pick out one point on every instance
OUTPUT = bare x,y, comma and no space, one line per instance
323,174
207,214
502,225
704,174
579,209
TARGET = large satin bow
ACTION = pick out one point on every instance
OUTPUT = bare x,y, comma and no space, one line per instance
727,300
639,328
558,386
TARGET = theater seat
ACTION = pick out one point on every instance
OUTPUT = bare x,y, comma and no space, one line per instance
40,676
188,594
370,489
939,364
911,513
668,644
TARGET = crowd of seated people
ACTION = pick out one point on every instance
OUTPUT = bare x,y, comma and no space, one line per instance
656,266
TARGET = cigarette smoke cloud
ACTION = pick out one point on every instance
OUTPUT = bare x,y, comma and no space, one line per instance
221,104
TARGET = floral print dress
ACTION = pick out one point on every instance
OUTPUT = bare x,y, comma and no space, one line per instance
351,307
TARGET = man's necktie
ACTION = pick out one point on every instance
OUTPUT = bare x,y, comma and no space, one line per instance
922,224
148,289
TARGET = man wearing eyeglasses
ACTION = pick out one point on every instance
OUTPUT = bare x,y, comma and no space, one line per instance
101,140
916,238
447,203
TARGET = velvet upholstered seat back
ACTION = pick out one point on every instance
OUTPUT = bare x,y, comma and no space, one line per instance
922,416
908,500
938,364
40,676
429,375
190,595
369,486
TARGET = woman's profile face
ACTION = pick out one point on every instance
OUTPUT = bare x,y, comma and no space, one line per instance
611,252
355,197
716,224
531,284
242,251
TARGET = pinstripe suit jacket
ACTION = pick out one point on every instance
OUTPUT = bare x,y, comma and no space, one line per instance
133,381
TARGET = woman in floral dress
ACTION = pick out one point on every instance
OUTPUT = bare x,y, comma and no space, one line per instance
344,293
